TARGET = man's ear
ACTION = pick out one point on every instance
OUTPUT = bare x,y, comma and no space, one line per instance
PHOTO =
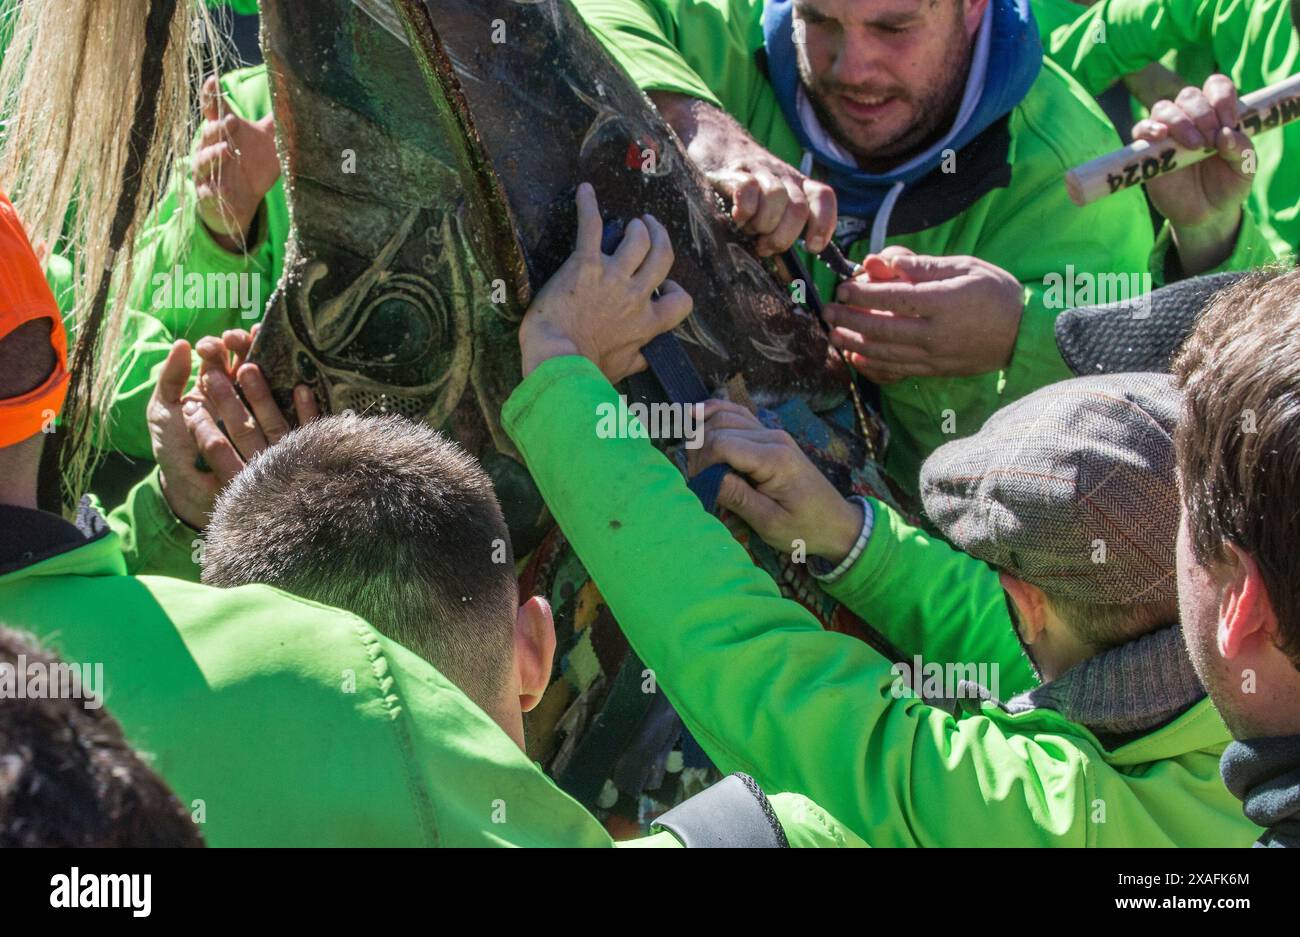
534,650
1245,610
1031,606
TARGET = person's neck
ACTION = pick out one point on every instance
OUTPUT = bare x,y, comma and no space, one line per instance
19,468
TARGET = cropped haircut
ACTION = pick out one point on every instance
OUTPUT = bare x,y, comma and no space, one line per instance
389,520
1238,443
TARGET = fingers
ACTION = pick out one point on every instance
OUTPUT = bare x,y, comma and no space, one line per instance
1195,116
879,326
265,410
1232,146
922,268
238,422
760,453
217,451
1221,94
238,344
659,262
1194,103
877,372
175,373
305,404
219,131
725,414
744,193
757,510
792,220
590,225
633,249
213,355
823,214
1152,131
211,100
881,353
670,308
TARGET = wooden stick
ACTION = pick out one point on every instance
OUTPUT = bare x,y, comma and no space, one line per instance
1139,162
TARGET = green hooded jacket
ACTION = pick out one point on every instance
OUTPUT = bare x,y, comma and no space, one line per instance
185,285
767,691
1254,43
706,49
282,722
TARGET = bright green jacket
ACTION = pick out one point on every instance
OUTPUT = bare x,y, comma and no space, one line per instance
1254,43
767,691
176,239
282,722
705,48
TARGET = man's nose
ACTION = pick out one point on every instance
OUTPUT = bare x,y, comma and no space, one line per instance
860,60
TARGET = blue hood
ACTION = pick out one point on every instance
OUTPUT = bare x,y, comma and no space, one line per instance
1015,56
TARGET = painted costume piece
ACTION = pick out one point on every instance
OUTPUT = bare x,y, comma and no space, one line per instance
431,153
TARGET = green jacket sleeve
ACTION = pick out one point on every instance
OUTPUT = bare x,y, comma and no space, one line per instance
754,677
1115,37
1252,249
155,541
699,49
932,600
185,285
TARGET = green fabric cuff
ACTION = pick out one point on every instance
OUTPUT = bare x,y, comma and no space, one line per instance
1250,250
155,541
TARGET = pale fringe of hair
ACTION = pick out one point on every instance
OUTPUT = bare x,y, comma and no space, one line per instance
68,90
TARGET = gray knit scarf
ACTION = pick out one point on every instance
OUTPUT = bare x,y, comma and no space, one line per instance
1123,692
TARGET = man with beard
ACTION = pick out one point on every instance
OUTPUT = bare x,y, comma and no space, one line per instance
931,124
1238,446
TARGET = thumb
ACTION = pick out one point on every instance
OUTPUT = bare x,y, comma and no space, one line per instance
175,373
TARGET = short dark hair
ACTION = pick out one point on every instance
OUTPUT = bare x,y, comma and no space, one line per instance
1238,443
389,520
69,778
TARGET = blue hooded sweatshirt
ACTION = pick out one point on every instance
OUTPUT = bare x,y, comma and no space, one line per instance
1005,63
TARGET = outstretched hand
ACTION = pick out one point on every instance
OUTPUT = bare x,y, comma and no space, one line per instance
604,307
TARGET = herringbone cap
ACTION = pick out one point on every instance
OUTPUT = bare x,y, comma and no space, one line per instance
1071,488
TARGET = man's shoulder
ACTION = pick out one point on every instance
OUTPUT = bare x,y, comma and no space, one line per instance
1058,121
261,620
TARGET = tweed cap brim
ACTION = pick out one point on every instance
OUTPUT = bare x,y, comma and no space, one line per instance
1140,335
1071,488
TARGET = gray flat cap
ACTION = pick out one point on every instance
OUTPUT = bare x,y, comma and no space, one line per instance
1071,488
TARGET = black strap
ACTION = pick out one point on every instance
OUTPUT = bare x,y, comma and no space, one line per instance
732,814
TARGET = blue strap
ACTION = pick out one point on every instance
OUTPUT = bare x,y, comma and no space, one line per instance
682,383
678,377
